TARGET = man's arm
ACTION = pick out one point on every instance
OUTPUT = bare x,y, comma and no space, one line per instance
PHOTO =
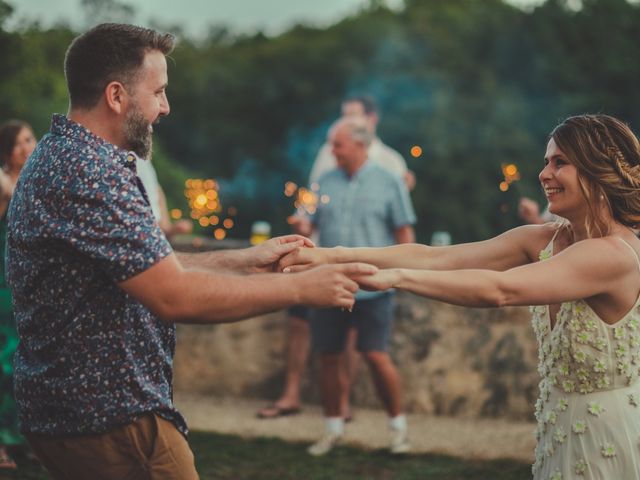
301,224
602,266
405,234
177,294
258,259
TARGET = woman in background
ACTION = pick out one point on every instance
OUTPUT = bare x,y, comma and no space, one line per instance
17,141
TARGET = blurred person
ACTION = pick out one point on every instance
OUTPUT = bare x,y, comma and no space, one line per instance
368,207
298,329
296,358
581,277
17,142
158,201
385,156
97,288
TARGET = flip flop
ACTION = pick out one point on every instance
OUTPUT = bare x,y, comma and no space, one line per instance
274,411
6,462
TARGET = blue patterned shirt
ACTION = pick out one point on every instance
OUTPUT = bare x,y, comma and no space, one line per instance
90,356
363,210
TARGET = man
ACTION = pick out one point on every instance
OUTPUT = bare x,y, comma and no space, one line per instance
378,152
299,333
364,206
96,286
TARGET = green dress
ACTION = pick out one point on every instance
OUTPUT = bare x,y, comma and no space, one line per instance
9,430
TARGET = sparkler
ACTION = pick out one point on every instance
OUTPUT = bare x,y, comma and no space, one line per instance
206,207
305,199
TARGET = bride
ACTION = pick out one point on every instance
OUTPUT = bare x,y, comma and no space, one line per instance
582,278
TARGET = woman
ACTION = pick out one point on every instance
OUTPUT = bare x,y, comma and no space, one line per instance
17,141
582,277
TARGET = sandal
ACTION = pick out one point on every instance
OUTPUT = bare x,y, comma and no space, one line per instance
6,462
275,411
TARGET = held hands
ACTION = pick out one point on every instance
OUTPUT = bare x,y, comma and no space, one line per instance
332,285
301,258
265,256
381,280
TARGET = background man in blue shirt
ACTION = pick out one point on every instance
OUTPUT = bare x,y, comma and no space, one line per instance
97,287
361,204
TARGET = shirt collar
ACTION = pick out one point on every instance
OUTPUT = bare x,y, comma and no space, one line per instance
362,170
61,125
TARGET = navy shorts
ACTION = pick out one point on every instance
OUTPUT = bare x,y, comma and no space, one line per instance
371,318
300,311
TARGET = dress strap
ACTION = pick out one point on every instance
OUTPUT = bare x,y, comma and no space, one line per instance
550,244
635,254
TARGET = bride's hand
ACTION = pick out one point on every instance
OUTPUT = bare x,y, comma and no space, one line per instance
381,280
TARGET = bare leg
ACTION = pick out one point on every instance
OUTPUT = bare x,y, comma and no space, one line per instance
297,355
331,379
387,381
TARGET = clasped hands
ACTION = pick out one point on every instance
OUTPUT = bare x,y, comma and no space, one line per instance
323,279
306,257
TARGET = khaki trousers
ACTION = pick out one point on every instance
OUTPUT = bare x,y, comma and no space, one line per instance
150,448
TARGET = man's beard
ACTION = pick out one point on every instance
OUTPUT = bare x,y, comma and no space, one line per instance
137,133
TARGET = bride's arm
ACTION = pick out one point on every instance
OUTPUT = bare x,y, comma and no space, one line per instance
586,269
513,248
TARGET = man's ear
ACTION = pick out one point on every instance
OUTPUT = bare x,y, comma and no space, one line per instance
116,97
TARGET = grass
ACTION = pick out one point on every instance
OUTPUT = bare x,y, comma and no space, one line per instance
227,457
224,457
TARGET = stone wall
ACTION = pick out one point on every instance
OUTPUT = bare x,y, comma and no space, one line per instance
453,360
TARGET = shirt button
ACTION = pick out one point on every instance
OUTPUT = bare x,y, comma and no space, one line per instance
131,158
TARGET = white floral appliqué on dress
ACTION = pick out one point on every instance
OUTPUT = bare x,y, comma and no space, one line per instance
588,411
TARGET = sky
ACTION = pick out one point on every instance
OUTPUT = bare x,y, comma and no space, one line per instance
195,16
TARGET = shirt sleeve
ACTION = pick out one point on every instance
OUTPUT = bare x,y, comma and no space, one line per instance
104,216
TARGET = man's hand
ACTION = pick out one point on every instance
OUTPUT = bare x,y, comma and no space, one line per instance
529,211
332,285
300,224
381,280
265,256
409,180
302,258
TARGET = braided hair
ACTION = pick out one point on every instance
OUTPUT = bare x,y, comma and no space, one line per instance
606,154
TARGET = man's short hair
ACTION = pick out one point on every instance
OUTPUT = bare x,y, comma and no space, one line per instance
106,53
358,129
368,103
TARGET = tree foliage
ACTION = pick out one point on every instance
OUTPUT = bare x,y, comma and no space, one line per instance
475,83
